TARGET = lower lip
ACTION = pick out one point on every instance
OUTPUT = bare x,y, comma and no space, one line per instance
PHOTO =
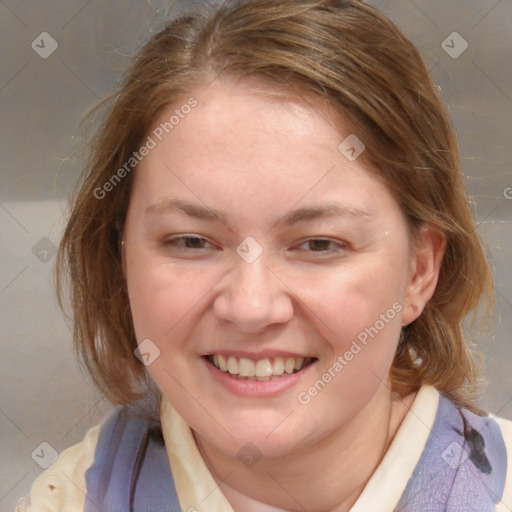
243,387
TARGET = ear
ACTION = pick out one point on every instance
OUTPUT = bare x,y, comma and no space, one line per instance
426,259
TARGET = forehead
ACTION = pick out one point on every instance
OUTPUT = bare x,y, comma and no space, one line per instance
242,145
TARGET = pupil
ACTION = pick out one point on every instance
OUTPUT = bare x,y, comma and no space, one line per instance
318,245
193,242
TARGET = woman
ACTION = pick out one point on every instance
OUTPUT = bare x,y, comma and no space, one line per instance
270,257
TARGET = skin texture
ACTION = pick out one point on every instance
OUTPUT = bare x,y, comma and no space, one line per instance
255,158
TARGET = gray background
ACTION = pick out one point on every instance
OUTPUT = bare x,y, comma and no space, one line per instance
43,395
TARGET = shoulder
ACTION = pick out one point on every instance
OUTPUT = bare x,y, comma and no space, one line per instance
487,447
484,456
468,456
61,487
65,484
506,430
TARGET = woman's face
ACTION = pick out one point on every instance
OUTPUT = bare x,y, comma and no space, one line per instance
269,272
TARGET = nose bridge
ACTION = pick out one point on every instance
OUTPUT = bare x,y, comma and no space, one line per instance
255,281
253,297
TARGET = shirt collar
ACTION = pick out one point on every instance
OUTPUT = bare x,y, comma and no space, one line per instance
197,489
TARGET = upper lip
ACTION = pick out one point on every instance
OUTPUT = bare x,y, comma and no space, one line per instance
256,356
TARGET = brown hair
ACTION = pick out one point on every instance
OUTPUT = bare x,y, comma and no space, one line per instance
352,58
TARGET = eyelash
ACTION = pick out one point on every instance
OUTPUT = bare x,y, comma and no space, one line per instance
339,245
173,241
184,238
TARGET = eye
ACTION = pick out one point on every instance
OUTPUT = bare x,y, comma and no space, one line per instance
322,245
188,242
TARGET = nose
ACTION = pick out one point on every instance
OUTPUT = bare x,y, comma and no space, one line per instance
253,298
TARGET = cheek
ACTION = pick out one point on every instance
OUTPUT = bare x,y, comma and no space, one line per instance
161,296
359,317
348,301
357,311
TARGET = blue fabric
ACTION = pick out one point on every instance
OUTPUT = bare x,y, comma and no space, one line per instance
462,468
155,491
454,475
111,481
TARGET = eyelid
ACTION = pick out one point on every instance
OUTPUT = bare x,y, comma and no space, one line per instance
174,238
171,241
338,243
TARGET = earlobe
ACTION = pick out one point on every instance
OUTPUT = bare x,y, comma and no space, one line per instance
426,260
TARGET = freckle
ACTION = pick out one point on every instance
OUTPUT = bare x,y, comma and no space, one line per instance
52,487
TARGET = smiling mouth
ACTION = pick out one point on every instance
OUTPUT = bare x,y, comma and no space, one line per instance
262,370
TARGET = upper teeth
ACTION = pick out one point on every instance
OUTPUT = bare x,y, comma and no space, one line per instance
244,367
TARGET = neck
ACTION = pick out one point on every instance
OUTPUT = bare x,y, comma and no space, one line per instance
328,475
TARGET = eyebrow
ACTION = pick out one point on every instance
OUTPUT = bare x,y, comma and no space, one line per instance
197,211
324,211
296,216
